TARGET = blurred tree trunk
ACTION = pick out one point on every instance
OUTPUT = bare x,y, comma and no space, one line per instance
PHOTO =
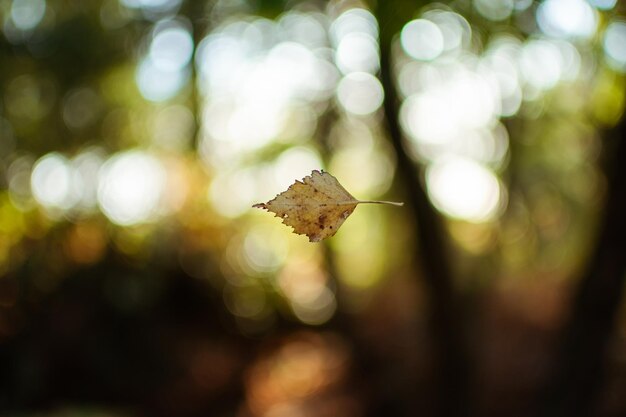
578,376
449,344
198,13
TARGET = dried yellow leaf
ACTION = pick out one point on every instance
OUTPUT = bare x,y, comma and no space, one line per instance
316,206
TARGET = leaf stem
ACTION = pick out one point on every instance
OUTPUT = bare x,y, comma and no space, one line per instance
391,203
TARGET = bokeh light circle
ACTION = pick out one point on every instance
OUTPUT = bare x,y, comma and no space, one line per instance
131,185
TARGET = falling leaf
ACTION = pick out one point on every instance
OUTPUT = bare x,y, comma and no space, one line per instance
316,206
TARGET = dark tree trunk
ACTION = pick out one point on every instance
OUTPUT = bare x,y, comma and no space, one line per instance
449,344
578,377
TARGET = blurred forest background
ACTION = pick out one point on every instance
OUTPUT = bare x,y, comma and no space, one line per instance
136,280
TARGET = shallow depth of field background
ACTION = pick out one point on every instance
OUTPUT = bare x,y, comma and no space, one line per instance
135,135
